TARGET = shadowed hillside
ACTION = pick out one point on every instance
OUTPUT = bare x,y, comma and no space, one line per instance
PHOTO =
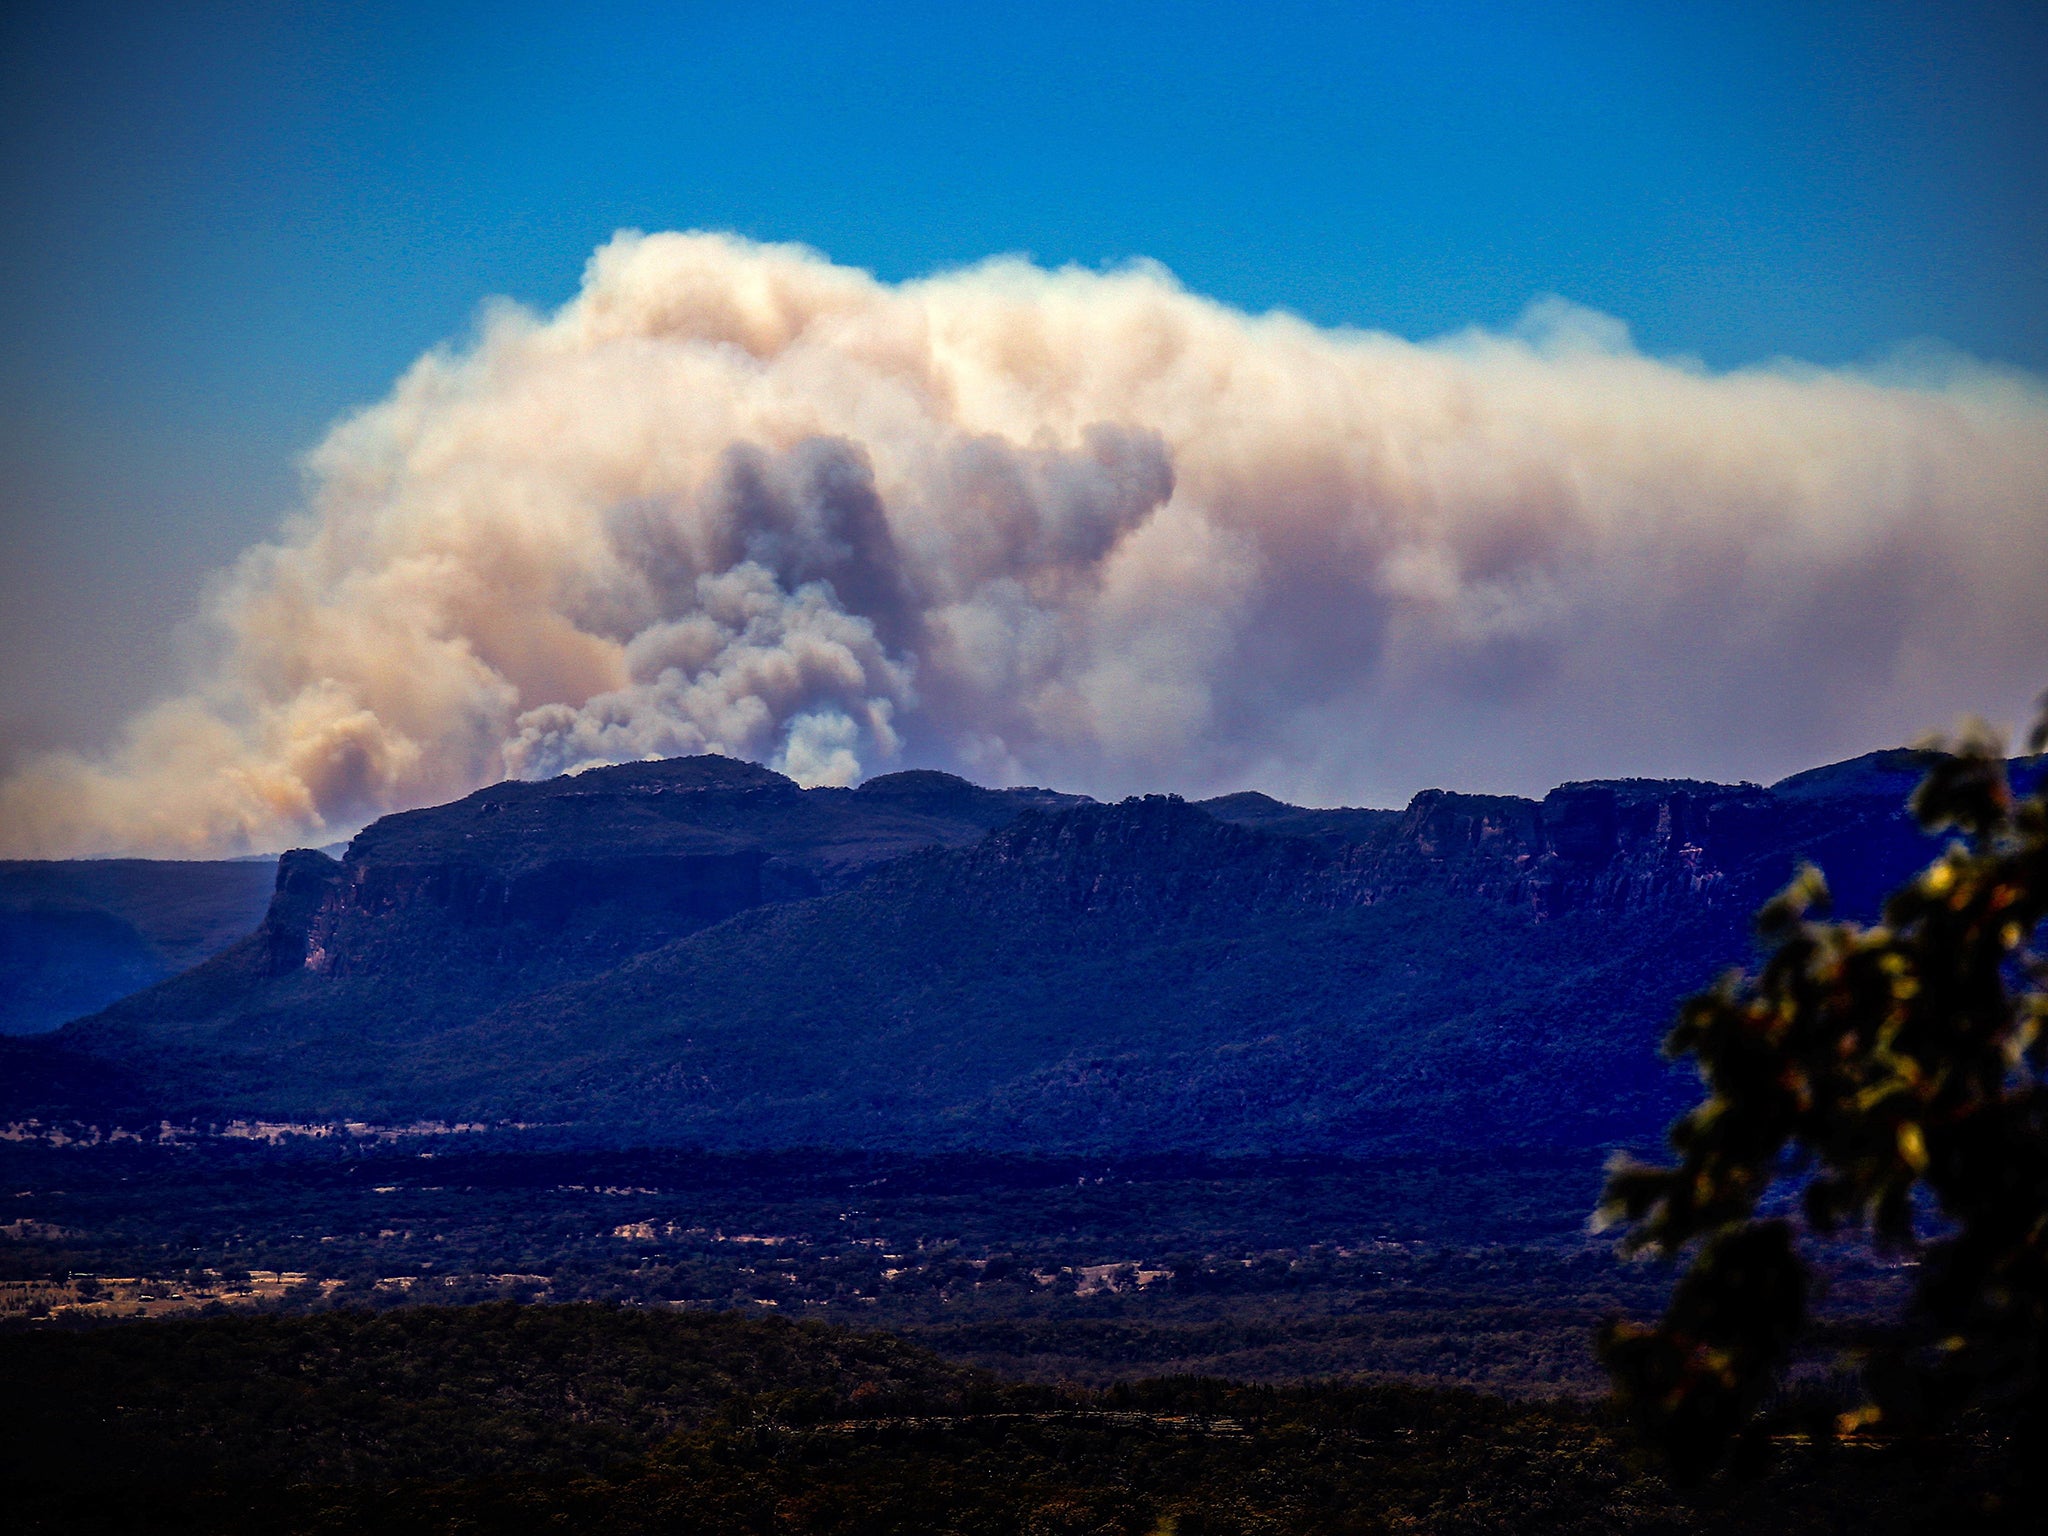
77,934
698,951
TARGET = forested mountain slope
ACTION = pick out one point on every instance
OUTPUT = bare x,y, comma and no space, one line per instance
699,952
76,934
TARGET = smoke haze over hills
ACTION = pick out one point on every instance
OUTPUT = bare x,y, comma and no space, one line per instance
1085,529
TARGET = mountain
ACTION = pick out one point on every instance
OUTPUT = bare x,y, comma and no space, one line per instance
523,882
698,952
76,934
433,917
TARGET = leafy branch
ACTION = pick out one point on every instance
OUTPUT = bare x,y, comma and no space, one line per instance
1884,1068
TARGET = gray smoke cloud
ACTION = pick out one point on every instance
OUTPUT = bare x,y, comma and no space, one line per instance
1086,529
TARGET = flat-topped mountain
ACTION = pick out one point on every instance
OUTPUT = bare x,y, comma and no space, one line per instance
527,878
698,951
808,840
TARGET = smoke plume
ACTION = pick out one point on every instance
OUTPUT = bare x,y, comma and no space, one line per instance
1084,529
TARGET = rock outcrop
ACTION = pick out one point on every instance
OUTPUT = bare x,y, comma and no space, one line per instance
698,951
607,863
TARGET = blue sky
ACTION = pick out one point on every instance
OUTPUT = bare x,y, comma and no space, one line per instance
232,223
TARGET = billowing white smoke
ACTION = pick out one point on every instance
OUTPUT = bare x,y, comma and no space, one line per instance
1082,529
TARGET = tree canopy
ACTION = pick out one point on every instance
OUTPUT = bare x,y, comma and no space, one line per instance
1891,1077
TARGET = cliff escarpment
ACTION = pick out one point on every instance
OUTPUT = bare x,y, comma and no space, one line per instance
578,870
699,951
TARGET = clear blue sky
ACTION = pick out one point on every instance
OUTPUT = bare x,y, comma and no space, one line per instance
229,223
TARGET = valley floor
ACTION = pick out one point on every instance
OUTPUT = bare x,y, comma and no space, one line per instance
1461,1274
227,1336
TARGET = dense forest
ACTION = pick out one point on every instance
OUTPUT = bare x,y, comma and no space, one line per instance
510,1418
1460,1272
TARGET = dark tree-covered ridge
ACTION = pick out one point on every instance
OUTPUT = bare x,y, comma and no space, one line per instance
700,953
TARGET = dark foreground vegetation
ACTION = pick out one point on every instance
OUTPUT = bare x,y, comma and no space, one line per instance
541,1418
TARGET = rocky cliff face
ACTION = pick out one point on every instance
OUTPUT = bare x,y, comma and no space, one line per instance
623,859
700,951
1613,846
614,861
